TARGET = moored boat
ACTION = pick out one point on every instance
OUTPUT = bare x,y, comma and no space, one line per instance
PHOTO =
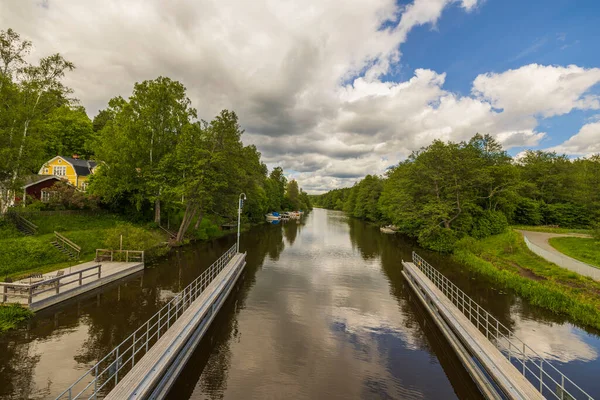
387,229
274,216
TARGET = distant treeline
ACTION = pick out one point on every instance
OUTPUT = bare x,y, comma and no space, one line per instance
154,154
446,191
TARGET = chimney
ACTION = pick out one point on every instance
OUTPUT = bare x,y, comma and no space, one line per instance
76,156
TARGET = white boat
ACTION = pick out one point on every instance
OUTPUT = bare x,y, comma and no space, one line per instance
273,216
387,229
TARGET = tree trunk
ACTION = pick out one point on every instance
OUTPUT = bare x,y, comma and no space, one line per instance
157,211
199,221
190,211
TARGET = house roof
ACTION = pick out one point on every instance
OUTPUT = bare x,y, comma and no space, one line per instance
81,167
35,179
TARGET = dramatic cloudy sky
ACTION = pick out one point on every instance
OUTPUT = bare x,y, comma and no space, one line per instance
334,89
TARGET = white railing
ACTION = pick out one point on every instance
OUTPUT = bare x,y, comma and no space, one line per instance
564,261
105,374
550,382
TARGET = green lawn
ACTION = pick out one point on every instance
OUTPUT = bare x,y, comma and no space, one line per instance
582,249
506,261
551,230
23,255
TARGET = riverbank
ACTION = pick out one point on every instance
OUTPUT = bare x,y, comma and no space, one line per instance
22,255
505,260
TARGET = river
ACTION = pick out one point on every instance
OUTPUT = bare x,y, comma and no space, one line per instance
322,311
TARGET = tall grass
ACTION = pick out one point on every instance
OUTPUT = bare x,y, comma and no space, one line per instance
505,260
11,315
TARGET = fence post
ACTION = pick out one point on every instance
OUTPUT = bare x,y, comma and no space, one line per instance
80,278
4,296
99,271
30,295
58,286
126,255
111,255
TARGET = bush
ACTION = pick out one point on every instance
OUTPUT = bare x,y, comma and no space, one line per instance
527,212
438,239
11,315
566,215
489,223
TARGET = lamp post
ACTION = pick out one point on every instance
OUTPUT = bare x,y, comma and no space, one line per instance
240,205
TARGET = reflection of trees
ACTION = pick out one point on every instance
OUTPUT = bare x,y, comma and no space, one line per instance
16,367
262,240
290,229
210,362
366,237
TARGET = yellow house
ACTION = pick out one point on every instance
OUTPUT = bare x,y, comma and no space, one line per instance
72,169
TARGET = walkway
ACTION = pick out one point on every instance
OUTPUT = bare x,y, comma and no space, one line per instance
538,242
57,286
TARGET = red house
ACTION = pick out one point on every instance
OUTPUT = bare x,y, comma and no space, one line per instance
35,185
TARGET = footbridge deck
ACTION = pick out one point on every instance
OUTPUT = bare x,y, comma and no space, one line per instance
502,366
146,364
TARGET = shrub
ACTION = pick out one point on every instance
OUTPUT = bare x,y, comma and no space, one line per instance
566,214
527,212
489,223
438,239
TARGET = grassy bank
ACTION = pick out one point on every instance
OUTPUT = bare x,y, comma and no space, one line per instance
505,260
11,315
582,249
22,255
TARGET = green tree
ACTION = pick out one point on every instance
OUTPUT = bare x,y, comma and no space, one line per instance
292,195
67,130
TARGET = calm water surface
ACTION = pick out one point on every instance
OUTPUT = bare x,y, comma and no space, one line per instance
322,311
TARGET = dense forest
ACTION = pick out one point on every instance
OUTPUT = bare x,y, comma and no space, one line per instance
447,191
154,154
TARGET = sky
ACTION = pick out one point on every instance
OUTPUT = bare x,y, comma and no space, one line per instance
332,90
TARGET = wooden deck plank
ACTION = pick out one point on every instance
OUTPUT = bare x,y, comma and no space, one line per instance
502,370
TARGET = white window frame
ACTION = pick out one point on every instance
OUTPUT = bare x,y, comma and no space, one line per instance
45,196
46,170
62,169
84,185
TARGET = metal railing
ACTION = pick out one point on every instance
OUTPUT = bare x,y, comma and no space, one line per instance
67,244
543,375
30,290
105,374
119,255
564,261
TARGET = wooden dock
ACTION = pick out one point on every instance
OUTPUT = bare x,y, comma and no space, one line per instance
52,288
493,373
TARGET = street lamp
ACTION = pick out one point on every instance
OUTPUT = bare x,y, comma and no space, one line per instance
240,205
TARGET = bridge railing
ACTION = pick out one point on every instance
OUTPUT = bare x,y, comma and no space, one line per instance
550,382
105,374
